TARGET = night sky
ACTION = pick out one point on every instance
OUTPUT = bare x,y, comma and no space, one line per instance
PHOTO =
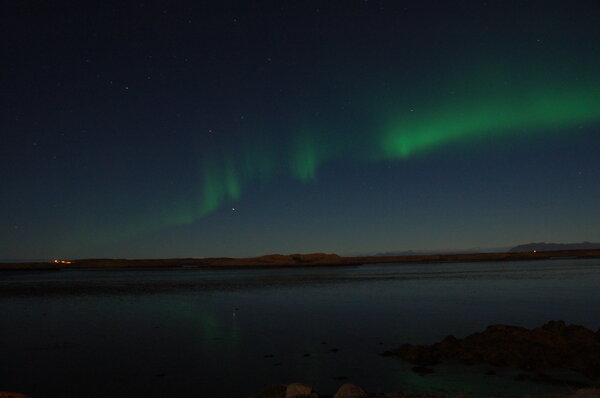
177,129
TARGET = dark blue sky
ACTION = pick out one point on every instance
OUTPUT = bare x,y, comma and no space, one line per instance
153,129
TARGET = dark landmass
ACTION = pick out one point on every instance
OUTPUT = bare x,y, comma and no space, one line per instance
553,346
302,260
429,252
298,390
544,247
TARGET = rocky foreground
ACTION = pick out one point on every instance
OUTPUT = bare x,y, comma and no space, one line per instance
552,346
12,395
298,390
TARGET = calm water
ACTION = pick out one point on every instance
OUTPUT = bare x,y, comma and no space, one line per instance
229,333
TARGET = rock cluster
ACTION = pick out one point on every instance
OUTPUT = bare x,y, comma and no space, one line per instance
298,390
554,345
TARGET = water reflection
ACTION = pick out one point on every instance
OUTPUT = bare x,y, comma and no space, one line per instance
231,332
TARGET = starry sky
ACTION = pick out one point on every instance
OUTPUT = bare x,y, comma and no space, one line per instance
199,129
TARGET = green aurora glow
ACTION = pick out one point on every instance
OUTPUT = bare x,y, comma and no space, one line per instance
486,113
526,112
496,113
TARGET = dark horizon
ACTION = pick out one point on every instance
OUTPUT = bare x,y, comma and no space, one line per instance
551,246
523,253
523,247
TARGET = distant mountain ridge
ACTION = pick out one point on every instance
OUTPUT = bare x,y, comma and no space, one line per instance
294,260
544,247
436,251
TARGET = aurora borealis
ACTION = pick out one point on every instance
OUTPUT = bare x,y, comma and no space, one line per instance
494,114
161,131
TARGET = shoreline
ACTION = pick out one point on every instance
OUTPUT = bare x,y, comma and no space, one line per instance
294,260
349,390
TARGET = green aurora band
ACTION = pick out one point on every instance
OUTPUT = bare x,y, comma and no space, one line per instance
505,113
486,112
496,116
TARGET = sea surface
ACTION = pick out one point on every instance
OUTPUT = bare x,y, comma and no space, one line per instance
192,332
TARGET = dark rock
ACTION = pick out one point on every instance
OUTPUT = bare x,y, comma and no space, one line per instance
585,393
350,391
299,390
554,345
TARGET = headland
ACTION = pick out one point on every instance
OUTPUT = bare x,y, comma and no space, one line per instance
294,260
